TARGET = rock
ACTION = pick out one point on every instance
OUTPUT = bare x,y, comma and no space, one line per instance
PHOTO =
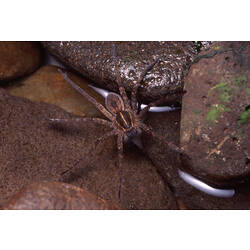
47,85
167,163
18,59
33,151
94,60
56,195
215,124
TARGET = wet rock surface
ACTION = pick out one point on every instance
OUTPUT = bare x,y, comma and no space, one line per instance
31,150
18,59
56,195
94,60
167,162
215,115
47,85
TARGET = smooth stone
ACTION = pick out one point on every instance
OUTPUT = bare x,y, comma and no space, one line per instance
215,115
58,196
31,150
47,85
18,59
95,61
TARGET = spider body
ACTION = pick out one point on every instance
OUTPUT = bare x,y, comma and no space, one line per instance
124,117
125,120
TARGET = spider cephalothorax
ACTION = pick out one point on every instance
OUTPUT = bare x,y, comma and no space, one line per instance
125,117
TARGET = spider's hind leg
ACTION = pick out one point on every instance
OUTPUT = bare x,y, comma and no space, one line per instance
160,138
102,138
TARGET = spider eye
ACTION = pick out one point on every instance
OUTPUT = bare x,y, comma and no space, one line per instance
114,103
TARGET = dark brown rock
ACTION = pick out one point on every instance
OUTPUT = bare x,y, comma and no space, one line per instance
18,59
56,195
31,150
168,162
215,124
94,60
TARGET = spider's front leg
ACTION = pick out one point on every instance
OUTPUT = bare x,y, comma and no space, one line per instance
136,86
99,106
122,90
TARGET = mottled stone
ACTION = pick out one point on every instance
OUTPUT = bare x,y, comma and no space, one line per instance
94,60
18,59
31,150
215,115
47,85
56,195
167,163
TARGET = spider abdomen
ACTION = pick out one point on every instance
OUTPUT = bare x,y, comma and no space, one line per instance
124,119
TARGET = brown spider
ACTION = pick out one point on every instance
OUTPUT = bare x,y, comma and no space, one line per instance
125,118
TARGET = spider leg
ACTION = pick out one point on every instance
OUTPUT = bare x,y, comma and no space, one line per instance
118,79
105,136
154,135
74,165
136,86
120,158
87,96
80,119
144,111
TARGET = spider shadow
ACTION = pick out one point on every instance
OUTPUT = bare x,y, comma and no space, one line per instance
72,130
84,168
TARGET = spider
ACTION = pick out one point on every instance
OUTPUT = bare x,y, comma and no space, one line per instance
124,117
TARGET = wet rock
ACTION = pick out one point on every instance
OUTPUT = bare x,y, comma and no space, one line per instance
31,150
47,85
94,60
56,195
215,124
18,59
167,163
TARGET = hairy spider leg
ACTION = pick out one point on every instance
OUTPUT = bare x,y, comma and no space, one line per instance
74,165
105,136
154,135
118,79
137,85
144,111
87,96
97,141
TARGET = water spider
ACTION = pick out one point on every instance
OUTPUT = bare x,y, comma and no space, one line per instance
124,115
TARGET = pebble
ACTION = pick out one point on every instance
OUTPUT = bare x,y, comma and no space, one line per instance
18,59
48,195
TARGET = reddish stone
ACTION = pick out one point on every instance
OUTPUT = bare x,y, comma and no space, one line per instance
215,115
56,195
18,59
